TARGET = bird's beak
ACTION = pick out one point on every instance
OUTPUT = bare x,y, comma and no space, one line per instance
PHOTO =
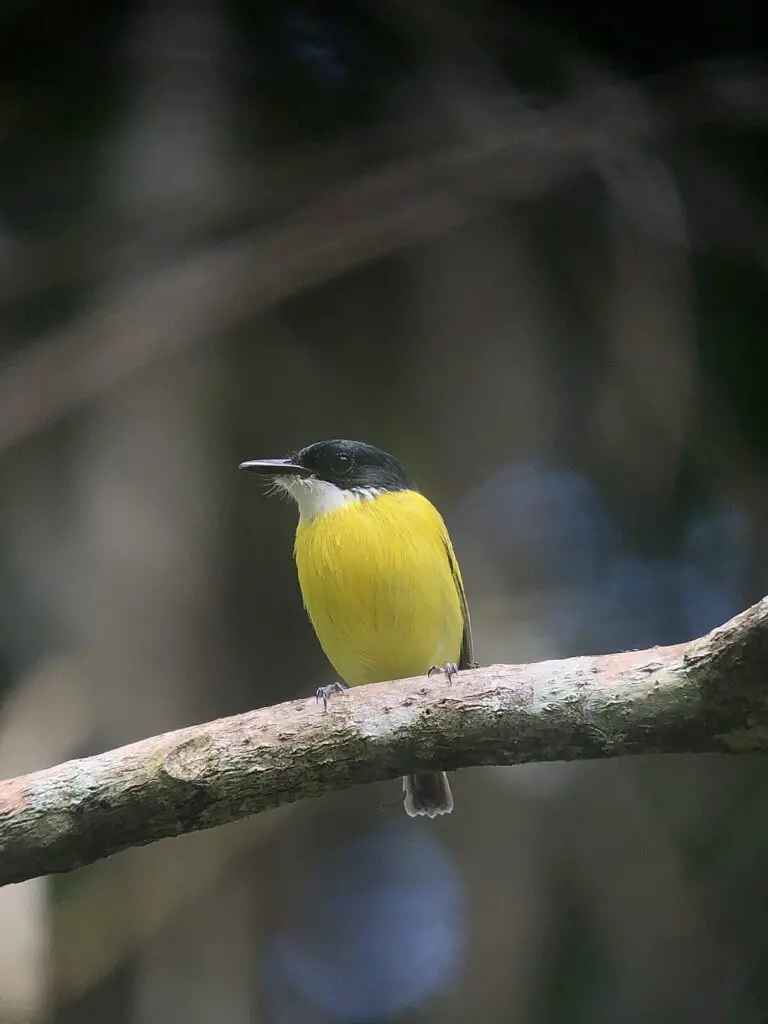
275,467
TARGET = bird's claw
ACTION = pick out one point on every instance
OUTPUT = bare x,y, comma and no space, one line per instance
324,692
450,668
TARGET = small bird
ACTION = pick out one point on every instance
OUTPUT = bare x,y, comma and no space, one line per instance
378,576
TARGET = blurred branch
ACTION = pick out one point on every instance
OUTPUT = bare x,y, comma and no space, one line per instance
308,234
210,292
707,695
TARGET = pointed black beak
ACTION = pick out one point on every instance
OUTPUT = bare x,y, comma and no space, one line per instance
275,467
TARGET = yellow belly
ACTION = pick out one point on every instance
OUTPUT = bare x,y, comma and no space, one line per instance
377,585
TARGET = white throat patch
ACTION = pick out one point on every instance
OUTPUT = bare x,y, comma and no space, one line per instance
319,497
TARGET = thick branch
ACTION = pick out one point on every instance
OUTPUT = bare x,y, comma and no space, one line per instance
708,695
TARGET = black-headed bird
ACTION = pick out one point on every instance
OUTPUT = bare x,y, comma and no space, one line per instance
378,576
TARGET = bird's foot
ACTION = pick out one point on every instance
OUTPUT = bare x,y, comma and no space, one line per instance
324,692
450,668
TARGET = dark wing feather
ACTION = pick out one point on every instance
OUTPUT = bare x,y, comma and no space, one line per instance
467,655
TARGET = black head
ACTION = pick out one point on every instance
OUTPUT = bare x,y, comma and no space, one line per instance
348,465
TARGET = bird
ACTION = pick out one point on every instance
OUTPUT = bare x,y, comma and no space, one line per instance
378,576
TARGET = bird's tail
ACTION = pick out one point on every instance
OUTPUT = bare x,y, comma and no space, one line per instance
427,793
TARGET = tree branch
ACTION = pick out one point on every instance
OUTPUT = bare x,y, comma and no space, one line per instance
708,695
310,237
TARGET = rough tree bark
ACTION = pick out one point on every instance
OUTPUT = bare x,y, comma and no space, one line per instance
707,695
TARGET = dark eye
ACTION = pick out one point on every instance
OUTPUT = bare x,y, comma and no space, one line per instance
341,463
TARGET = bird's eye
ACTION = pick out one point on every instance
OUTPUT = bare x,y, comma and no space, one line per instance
341,463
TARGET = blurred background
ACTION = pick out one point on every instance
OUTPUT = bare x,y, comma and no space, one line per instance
526,249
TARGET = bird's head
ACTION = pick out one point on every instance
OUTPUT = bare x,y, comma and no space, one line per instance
328,475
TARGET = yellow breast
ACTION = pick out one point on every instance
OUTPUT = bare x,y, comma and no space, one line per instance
378,586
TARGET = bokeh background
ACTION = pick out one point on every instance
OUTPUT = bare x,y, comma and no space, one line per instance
523,247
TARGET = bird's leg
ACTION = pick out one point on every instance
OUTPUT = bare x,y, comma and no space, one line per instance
450,668
324,692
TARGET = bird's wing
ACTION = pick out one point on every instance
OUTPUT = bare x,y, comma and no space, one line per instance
467,655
